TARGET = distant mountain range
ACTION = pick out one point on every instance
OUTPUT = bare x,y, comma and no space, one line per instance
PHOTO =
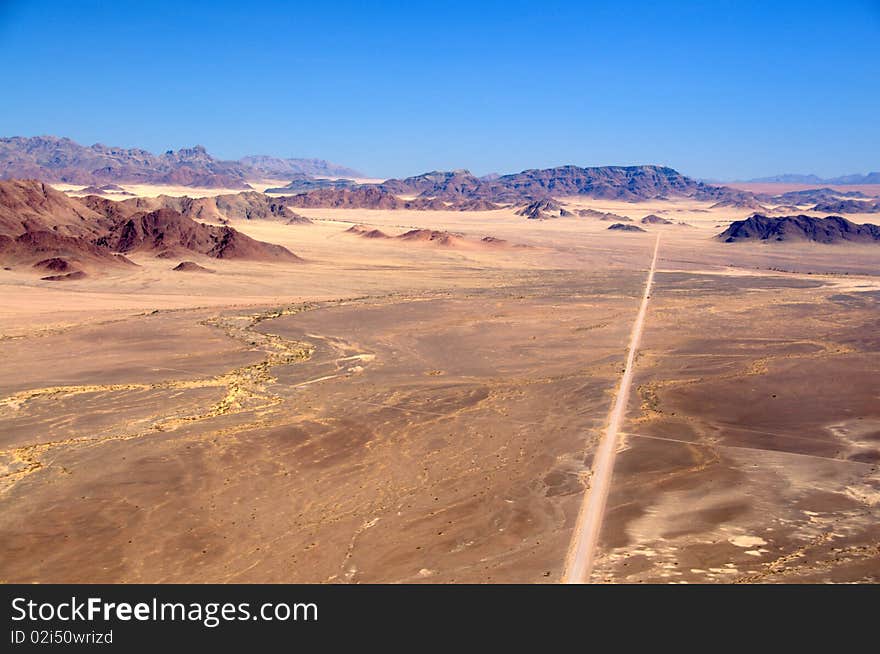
606,182
52,159
869,178
461,190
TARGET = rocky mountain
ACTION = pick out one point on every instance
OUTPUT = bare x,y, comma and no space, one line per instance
52,159
604,182
44,229
832,229
44,250
166,232
247,205
631,183
452,185
361,197
27,205
607,182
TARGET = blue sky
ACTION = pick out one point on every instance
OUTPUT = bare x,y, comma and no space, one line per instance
715,89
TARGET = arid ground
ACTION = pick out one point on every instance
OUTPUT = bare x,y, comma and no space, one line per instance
405,411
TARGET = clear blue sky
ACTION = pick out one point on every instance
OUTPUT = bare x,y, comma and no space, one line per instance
715,89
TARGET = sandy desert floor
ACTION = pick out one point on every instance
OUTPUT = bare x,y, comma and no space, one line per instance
403,412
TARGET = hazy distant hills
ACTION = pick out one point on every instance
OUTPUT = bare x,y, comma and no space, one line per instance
53,159
302,183
869,178
276,168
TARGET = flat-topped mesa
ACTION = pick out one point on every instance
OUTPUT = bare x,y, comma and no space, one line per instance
831,229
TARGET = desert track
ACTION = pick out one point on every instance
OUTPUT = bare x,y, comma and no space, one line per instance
579,562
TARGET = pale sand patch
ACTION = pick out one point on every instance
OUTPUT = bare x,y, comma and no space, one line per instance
747,541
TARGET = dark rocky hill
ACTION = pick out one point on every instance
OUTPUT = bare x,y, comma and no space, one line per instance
543,209
621,227
832,229
450,185
167,232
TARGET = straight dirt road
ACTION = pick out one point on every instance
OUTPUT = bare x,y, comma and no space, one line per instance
579,563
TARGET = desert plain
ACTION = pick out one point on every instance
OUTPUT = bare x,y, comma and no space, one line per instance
392,410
